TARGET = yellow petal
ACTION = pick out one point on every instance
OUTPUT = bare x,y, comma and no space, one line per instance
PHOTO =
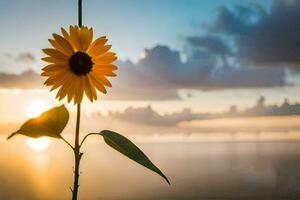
103,80
62,92
74,34
104,72
55,60
67,37
58,84
97,83
106,67
111,74
75,84
100,77
71,92
64,44
99,42
93,89
84,39
54,67
90,36
53,79
59,81
54,73
55,53
79,89
98,50
58,47
87,88
106,58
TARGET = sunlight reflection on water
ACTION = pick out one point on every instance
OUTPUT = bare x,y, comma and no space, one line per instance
197,170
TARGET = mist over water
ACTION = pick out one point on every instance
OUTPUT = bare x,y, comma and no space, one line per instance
197,170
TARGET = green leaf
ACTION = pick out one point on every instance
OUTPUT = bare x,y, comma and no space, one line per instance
127,148
50,123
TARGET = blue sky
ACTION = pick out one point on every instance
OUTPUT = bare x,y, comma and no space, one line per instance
131,25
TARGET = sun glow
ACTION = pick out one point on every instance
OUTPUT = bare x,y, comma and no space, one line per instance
38,144
34,109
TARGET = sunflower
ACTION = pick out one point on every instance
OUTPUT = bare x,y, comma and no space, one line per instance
78,65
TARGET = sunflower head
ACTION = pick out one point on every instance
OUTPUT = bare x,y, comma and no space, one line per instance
78,65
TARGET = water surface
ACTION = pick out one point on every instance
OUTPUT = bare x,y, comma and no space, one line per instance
197,170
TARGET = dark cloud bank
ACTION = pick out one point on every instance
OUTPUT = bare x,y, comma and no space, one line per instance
263,37
236,51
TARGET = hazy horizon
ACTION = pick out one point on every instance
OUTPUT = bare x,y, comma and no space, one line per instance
208,89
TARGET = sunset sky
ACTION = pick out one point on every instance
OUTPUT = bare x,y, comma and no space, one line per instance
208,89
203,55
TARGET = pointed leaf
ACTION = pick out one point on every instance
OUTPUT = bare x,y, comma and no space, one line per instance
50,123
127,148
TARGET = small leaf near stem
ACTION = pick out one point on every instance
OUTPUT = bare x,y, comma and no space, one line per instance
127,148
50,123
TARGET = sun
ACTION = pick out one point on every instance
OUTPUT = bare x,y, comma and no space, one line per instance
34,109
38,144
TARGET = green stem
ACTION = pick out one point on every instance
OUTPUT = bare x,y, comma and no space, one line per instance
67,143
86,137
77,155
80,13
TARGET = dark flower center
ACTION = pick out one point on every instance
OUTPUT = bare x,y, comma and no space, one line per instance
80,63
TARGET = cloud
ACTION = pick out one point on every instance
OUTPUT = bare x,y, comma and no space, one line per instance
25,57
26,80
263,38
211,43
150,117
161,73
10,62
